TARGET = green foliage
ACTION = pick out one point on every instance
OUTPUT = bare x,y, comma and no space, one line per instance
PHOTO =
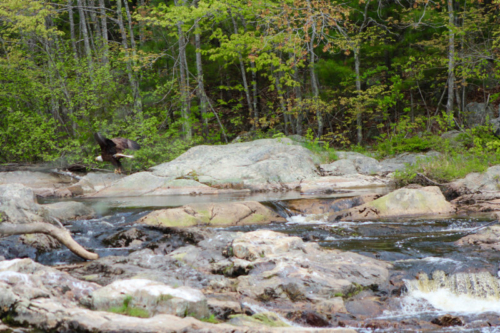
128,310
210,319
320,148
446,167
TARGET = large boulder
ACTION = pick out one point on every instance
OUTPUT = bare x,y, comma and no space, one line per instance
274,267
250,163
477,113
152,296
399,162
475,181
18,205
400,203
213,214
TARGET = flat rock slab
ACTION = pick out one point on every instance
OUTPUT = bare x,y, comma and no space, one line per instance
148,184
331,184
323,206
400,203
153,296
486,239
34,179
18,205
212,214
94,181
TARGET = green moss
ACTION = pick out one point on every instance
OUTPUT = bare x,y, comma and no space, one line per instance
210,319
269,319
165,298
128,310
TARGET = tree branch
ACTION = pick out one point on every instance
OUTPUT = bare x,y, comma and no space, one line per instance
62,235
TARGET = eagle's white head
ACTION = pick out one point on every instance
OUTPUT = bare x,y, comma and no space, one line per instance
99,158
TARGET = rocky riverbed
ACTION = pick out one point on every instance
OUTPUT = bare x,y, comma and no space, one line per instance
252,237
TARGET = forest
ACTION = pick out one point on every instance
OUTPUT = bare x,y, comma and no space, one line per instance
380,75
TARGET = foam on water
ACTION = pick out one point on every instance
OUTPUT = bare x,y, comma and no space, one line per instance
447,301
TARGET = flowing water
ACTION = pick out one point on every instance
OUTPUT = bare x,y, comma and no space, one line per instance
440,277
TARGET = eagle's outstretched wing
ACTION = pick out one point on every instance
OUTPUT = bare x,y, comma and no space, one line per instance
122,144
105,144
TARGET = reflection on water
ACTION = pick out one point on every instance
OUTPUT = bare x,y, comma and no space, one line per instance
155,202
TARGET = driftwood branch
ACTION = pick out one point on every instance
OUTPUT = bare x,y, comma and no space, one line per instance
429,180
62,235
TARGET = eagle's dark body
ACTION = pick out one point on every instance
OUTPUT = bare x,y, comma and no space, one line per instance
112,149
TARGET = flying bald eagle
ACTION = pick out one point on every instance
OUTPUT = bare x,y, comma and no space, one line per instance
112,150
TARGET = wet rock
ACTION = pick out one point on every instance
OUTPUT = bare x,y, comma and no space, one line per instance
285,269
143,264
403,202
126,238
308,318
322,206
68,210
448,320
366,307
257,162
24,279
223,309
213,214
154,297
41,242
487,239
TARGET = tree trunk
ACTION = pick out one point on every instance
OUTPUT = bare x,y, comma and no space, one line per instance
242,68
72,30
186,125
199,77
359,118
280,97
123,32
137,95
83,25
104,30
142,36
62,235
451,59
254,85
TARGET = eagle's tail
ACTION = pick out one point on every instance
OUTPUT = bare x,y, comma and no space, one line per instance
122,155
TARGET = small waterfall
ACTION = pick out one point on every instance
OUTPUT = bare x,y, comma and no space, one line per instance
281,208
480,285
465,293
